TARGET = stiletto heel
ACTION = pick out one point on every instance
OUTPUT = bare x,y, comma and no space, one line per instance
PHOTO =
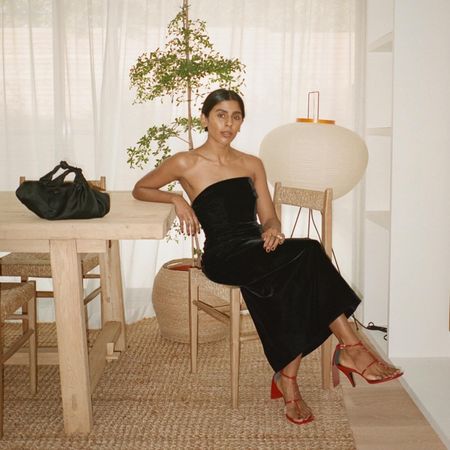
335,373
275,393
348,371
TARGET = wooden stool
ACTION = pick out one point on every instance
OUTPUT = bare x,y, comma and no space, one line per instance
12,297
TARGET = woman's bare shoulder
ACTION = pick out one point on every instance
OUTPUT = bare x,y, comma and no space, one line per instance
252,162
184,160
183,157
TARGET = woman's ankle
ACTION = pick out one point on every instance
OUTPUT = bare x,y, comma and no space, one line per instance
290,376
352,342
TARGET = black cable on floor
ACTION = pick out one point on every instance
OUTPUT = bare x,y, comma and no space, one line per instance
370,326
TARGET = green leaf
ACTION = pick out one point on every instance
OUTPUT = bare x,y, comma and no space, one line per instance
186,66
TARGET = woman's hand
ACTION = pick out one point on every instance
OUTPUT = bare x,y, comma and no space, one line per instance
189,223
272,238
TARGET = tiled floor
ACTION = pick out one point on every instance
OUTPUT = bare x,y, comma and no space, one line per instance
410,413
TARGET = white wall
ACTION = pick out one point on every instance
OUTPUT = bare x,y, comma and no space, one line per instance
420,221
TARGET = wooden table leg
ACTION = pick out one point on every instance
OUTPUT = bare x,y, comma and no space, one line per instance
112,302
71,334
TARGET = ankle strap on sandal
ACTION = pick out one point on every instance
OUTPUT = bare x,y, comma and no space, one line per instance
344,346
295,400
287,376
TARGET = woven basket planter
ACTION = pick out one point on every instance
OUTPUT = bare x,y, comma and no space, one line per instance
171,303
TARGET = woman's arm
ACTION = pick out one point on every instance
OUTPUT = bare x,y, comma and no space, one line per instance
148,189
271,225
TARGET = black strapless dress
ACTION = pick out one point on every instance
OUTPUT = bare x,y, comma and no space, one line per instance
292,293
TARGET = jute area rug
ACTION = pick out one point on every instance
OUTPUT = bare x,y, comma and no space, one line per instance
148,399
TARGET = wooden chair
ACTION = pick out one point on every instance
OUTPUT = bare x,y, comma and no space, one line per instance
313,201
12,297
232,307
37,265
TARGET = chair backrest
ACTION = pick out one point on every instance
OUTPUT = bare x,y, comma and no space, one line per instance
99,184
313,200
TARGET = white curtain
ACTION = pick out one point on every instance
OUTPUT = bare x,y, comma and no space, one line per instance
64,92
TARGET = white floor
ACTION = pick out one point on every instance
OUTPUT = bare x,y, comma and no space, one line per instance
427,380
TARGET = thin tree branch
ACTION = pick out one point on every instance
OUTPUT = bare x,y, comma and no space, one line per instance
184,140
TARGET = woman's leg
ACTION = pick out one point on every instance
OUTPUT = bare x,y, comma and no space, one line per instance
354,357
286,382
358,357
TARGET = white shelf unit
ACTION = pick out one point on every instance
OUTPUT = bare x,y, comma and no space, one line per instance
381,218
405,280
379,131
406,211
382,44
377,223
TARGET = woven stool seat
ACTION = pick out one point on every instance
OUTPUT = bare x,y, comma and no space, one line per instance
13,296
38,264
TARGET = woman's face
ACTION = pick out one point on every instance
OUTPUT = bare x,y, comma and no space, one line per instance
224,121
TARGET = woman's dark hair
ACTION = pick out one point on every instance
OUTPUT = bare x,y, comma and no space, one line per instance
220,95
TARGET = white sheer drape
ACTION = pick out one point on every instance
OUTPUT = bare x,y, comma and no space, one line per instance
65,92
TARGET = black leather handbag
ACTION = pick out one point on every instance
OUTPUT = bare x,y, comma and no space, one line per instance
56,199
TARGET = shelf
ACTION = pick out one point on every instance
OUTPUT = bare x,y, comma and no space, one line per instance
383,44
382,218
379,131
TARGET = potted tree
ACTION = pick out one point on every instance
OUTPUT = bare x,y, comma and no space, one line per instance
184,71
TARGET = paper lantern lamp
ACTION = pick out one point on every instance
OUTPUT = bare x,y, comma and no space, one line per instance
314,154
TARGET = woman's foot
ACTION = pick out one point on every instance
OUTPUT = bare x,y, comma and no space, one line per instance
296,409
359,359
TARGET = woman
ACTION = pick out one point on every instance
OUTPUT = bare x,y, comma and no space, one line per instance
293,292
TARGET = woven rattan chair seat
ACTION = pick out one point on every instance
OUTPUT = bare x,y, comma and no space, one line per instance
13,296
38,264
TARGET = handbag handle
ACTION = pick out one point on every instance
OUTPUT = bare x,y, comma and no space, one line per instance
48,178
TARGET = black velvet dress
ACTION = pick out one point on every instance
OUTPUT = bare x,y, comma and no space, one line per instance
292,293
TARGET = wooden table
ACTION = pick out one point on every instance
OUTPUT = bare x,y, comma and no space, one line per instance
22,231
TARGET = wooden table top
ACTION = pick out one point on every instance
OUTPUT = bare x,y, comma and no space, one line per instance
128,219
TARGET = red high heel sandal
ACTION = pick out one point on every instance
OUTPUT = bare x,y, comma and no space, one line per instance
348,372
276,393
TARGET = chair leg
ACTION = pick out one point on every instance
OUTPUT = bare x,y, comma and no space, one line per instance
24,309
193,323
1,381
326,363
235,314
86,315
104,294
32,342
